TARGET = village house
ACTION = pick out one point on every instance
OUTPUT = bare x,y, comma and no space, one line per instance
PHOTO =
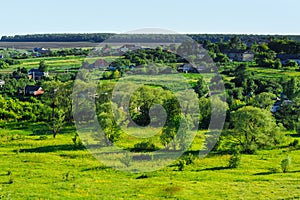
2,83
100,64
283,100
33,90
129,47
42,51
240,56
113,68
36,74
186,68
189,68
285,58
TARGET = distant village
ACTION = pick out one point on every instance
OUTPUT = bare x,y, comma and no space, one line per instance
101,64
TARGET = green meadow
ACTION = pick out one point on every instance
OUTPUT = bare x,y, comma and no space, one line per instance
36,166
55,63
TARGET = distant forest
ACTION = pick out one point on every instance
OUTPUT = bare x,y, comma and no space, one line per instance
143,38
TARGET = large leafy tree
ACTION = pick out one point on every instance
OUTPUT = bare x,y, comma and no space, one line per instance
264,100
57,121
252,129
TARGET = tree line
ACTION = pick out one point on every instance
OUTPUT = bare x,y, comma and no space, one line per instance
168,38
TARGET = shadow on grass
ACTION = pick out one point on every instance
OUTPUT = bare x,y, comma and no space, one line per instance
297,171
4,174
214,169
47,149
194,153
265,173
270,172
36,129
143,176
96,168
5,183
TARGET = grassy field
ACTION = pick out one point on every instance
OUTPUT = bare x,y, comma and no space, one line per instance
52,45
36,166
273,73
56,63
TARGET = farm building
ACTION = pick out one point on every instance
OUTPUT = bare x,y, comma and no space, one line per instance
36,74
34,90
284,58
240,56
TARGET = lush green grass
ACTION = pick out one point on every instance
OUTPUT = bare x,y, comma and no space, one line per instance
56,63
273,73
46,168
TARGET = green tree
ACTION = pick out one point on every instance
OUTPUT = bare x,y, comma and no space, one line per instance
252,129
201,87
205,112
57,121
291,64
109,123
184,136
266,59
278,64
236,44
288,114
221,58
264,100
291,87
286,163
43,66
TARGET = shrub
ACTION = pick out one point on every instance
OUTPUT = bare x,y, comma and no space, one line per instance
77,141
142,176
144,146
181,165
66,176
294,143
189,159
286,163
234,161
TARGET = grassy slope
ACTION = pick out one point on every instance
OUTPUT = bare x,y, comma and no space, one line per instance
53,169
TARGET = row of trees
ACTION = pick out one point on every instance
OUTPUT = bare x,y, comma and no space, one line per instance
95,37
100,37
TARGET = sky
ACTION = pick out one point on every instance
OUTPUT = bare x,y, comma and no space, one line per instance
119,16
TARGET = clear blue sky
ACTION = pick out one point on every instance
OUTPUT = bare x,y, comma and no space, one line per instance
189,16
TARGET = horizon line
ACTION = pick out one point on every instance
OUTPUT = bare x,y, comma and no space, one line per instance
181,33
